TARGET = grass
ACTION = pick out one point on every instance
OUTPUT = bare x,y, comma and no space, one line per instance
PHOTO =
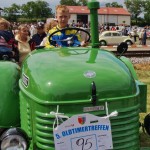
143,72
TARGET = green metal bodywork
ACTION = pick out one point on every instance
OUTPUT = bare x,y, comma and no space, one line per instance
9,95
63,76
54,73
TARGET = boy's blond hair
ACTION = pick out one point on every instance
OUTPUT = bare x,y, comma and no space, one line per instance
4,21
62,8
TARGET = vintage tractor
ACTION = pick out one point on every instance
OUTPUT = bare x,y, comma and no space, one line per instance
72,81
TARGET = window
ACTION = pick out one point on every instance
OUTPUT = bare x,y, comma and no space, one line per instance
108,34
116,34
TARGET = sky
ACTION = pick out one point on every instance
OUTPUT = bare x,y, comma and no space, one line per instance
52,3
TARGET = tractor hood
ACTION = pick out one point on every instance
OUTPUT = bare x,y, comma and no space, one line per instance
68,74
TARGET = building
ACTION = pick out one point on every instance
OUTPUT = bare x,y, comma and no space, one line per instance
106,15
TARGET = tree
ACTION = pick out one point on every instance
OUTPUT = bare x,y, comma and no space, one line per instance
12,12
147,18
69,2
135,7
74,2
0,11
37,9
146,6
82,2
33,9
27,9
113,4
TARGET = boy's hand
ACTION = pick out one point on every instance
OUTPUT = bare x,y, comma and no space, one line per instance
83,43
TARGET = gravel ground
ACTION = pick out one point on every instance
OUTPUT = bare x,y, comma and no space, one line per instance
142,60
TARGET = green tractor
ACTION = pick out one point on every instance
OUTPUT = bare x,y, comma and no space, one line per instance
69,81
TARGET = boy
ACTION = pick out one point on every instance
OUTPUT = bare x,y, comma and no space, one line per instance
62,16
6,36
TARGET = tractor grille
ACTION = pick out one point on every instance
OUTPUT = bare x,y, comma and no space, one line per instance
125,129
28,120
44,131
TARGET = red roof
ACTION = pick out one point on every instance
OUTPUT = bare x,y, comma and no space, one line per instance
101,11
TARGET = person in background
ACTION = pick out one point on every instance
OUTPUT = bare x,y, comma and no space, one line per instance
23,42
6,36
63,16
141,36
50,25
117,28
144,37
40,35
47,27
33,29
73,23
135,33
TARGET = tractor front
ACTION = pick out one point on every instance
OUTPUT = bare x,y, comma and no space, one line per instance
62,82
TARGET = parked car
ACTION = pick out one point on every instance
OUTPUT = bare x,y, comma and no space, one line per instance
113,38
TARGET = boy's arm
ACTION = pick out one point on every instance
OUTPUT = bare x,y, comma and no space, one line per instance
47,43
81,41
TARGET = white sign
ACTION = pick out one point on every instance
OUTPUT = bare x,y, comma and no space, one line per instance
84,132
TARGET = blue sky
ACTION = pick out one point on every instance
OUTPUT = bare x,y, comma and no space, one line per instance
52,3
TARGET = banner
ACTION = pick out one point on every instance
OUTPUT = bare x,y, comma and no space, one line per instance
84,132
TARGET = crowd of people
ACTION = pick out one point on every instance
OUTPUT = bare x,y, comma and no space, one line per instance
134,32
23,38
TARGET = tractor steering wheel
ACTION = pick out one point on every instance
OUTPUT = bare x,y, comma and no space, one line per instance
70,40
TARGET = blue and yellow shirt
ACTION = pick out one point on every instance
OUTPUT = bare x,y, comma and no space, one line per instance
63,35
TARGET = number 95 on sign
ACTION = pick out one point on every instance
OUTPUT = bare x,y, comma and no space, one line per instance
88,142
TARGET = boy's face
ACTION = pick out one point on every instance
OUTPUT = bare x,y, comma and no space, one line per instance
62,18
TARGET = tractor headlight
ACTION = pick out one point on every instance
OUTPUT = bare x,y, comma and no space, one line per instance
14,139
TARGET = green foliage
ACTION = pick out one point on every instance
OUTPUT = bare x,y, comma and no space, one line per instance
26,20
82,2
74,2
12,12
36,9
32,9
69,2
146,6
135,7
113,4
147,17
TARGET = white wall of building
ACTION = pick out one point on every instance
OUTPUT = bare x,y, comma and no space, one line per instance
127,19
117,19
73,17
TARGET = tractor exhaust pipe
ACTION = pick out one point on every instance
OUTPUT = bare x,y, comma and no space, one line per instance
93,5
